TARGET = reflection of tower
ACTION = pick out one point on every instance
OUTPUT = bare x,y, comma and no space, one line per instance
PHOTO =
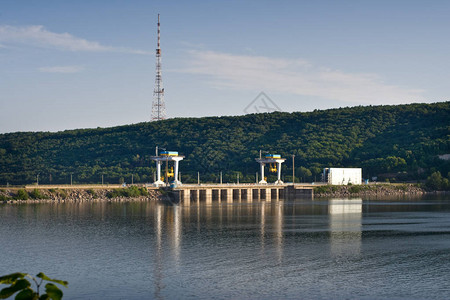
263,225
278,226
177,222
345,226
158,106
158,253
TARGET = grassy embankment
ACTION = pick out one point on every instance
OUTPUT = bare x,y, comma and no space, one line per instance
369,190
76,194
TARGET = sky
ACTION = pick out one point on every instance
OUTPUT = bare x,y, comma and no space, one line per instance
91,63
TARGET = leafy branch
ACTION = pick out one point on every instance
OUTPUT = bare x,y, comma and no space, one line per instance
19,283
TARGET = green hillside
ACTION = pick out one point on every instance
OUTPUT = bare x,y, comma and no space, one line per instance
395,142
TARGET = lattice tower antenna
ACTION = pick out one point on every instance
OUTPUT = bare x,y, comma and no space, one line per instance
158,106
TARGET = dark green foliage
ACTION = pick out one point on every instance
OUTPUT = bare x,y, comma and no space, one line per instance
437,183
37,194
129,192
92,193
354,189
21,195
322,189
392,142
20,284
62,193
4,198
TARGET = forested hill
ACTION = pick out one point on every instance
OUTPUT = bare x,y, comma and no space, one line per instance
396,142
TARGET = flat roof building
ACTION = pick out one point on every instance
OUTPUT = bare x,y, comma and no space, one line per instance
342,176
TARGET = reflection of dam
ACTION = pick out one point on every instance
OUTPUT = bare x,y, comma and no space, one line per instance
177,226
345,218
240,192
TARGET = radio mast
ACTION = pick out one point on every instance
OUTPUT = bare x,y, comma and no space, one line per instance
158,106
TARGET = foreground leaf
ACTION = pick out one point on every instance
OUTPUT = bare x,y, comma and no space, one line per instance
45,277
17,286
53,291
26,294
11,278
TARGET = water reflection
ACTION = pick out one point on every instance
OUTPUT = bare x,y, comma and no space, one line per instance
302,249
345,219
176,237
263,225
278,230
158,264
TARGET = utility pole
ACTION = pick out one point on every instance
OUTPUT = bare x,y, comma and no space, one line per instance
237,178
102,179
220,177
256,178
71,178
132,179
37,179
293,169
198,178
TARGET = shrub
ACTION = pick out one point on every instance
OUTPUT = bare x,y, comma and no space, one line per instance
131,192
112,194
92,193
403,187
4,198
322,189
37,194
21,195
354,189
62,193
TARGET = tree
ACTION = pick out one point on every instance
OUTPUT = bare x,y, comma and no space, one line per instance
436,182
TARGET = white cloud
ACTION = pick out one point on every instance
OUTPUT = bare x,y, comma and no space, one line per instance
37,35
295,76
62,69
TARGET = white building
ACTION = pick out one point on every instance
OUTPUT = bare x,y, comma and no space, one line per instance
342,176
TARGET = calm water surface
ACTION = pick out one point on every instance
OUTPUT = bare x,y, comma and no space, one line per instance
321,249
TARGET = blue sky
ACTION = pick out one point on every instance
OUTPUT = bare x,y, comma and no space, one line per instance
88,64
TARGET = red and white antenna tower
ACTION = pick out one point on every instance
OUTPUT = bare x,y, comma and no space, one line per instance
158,106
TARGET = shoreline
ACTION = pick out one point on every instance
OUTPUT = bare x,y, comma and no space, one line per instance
141,194
373,190
79,194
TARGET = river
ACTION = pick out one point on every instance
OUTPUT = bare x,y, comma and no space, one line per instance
304,249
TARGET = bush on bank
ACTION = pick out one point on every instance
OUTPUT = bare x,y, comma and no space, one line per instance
21,195
130,192
37,194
